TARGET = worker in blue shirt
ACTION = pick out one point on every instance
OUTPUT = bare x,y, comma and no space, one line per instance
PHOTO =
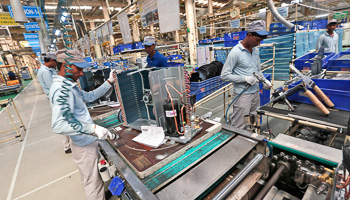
242,61
329,39
12,75
45,73
71,117
154,58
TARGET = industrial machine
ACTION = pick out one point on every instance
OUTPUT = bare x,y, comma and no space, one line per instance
25,73
203,159
158,97
9,84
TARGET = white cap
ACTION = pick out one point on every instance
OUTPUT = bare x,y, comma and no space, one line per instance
149,40
332,21
50,55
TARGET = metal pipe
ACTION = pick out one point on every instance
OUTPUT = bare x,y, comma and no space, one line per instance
230,186
278,16
271,182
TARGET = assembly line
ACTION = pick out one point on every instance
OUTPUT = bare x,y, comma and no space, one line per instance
174,100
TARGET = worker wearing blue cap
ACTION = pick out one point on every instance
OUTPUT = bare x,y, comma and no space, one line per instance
242,61
154,58
71,117
329,39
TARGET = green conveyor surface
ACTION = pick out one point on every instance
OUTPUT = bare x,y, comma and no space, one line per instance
186,160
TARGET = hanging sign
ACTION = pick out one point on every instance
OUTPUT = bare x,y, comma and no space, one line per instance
341,15
7,20
235,23
169,15
31,36
33,26
148,12
283,11
30,11
124,27
92,37
33,43
202,29
24,44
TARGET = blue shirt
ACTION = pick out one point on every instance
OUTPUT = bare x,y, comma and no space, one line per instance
240,63
76,101
158,60
45,78
329,43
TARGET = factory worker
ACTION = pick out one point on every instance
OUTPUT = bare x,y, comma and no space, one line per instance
12,75
242,61
329,39
154,58
45,73
71,117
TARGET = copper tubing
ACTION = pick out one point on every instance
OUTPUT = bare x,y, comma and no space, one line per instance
323,96
316,102
172,105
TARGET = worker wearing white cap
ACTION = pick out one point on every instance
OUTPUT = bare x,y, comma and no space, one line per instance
242,61
71,117
45,73
154,58
329,39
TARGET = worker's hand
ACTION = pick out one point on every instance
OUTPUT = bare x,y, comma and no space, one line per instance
102,133
111,77
266,87
251,80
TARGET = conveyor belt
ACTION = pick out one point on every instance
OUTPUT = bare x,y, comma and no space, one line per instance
144,160
336,118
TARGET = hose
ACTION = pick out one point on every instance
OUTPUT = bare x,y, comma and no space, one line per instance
67,113
235,100
277,15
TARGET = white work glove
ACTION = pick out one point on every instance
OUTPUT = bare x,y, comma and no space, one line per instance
266,87
111,77
251,80
102,133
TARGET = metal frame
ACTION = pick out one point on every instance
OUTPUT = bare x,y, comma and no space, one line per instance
5,103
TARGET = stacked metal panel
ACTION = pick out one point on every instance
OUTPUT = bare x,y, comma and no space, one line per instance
283,55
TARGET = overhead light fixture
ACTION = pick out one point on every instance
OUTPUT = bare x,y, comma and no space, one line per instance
50,7
64,16
57,32
54,40
322,15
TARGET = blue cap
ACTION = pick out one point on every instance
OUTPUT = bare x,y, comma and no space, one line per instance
258,27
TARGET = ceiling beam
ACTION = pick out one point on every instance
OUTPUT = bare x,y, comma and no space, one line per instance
82,3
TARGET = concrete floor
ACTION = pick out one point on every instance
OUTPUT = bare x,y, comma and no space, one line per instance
37,168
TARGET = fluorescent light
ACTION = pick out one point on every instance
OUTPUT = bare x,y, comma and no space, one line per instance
322,15
54,40
81,7
50,7
64,16
57,32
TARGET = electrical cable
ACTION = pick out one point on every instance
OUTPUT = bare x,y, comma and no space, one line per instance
235,100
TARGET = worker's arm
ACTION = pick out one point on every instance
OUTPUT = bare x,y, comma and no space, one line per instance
63,117
164,62
96,93
228,68
319,42
336,45
47,78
